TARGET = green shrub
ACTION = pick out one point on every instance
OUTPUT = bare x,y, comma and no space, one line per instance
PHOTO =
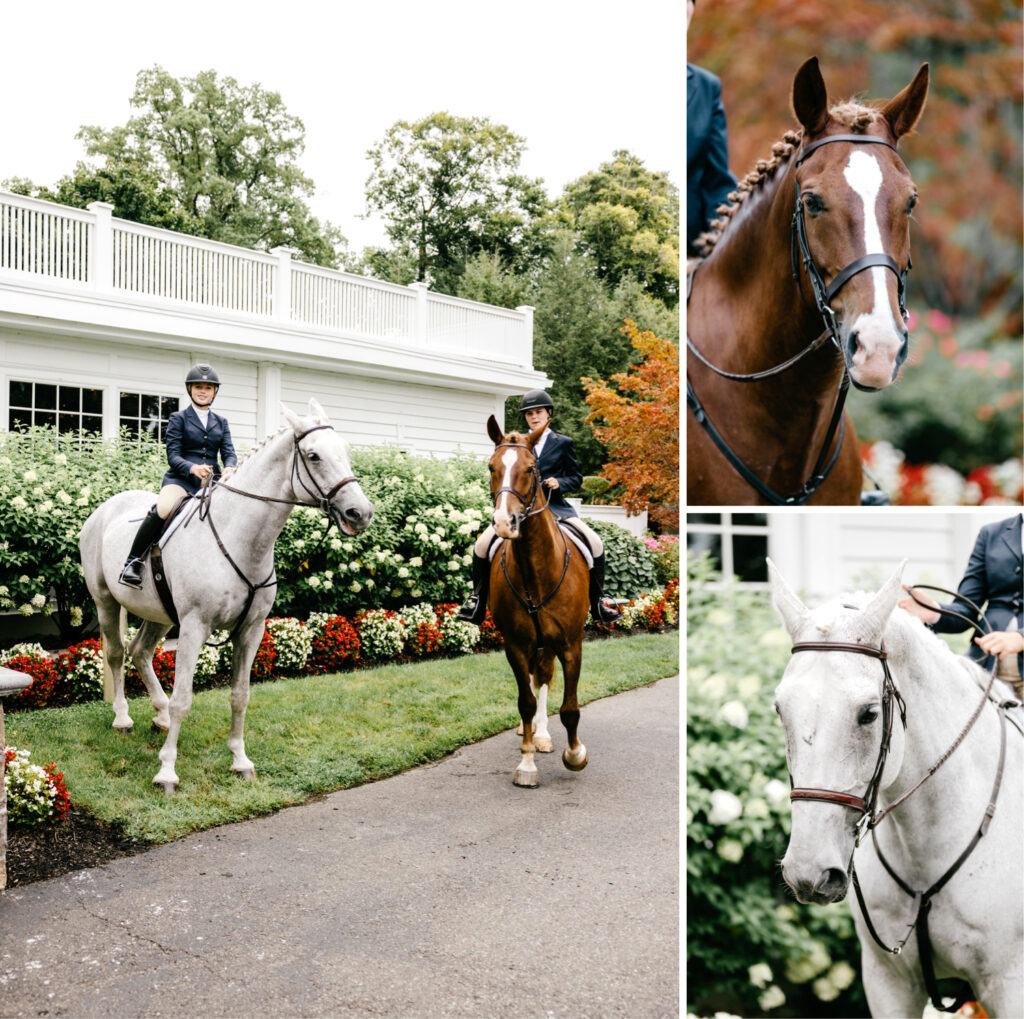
594,487
958,401
739,913
629,563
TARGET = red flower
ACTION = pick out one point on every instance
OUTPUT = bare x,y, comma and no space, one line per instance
336,648
40,693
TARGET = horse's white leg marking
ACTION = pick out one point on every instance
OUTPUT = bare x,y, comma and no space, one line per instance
541,736
575,759
113,653
526,773
502,516
879,336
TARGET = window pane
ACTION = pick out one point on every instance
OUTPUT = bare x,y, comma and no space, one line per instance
132,424
70,398
697,543
18,419
45,418
129,405
747,519
70,423
92,423
21,394
46,397
92,401
168,405
703,518
749,551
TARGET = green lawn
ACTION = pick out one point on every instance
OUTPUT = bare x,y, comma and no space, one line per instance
306,736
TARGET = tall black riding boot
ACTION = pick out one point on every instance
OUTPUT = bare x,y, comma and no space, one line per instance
604,610
148,532
475,608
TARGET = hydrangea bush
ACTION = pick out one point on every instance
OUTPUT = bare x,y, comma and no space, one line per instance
35,795
751,947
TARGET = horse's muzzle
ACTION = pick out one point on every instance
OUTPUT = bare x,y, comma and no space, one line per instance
507,525
829,886
353,520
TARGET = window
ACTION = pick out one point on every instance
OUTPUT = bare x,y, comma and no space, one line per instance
737,542
142,412
67,408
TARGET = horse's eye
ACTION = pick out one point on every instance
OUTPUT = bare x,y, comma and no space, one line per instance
911,202
813,204
867,714
314,457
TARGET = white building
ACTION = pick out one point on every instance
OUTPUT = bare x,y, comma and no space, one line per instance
822,553
101,318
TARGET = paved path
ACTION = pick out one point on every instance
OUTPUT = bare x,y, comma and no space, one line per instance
444,891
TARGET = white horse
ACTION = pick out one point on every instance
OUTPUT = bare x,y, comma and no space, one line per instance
220,568
831,702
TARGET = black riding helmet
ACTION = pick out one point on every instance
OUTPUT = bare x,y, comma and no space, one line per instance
201,373
536,398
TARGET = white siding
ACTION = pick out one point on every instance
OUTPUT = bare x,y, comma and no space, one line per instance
419,419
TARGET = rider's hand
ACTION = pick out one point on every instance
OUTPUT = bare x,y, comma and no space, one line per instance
552,483
226,473
922,613
201,470
1001,643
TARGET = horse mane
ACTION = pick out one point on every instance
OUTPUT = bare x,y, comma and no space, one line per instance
855,118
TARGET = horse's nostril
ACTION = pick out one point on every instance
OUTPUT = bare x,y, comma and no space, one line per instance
832,880
853,343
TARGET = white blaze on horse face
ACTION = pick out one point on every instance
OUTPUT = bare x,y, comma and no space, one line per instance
502,518
879,338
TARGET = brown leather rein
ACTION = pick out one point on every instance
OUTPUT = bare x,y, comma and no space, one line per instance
870,818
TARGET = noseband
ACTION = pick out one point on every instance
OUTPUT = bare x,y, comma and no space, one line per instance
823,294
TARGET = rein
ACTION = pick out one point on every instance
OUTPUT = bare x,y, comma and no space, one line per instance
321,499
870,818
823,295
532,608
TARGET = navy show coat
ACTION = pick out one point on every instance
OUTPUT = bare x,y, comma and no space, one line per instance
994,581
189,443
558,460
708,180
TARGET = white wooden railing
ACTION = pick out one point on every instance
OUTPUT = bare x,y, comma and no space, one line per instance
65,248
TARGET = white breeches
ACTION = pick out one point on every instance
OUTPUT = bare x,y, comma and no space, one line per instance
168,499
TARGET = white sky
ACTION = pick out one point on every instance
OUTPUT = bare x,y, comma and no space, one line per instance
576,80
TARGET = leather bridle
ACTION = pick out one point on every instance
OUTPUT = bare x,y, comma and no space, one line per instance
870,817
823,295
528,501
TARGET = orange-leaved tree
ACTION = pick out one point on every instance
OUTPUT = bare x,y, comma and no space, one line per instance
636,415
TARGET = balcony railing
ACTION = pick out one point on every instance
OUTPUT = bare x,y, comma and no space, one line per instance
77,250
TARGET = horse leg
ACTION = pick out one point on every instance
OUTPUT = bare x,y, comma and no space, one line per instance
526,774
190,643
541,684
892,986
246,645
110,620
574,757
142,649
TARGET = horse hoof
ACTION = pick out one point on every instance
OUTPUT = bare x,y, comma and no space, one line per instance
124,727
526,779
169,788
572,762
160,726
543,744
249,774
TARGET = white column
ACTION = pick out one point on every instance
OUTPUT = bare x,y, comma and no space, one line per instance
283,283
419,327
526,310
101,247
268,399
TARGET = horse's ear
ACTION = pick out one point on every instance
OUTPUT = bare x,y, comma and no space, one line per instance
792,610
902,111
292,418
874,616
494,431
534,437
810,98
316,410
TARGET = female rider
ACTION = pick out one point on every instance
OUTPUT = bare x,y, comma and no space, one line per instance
560,473
195,438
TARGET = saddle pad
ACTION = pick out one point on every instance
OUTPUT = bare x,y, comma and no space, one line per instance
181,516
569,531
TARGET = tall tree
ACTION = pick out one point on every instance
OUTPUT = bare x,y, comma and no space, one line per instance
627,220
636,415
449,188
227,154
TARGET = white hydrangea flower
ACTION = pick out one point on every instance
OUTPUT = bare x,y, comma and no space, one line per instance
776,792
725,807
730,850
735,713
771,998
760,974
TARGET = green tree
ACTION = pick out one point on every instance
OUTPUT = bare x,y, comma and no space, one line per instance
449,188
208,156
627,219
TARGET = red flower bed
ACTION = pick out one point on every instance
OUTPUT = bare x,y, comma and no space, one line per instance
490,636
266,653
336,648
425,641
40,694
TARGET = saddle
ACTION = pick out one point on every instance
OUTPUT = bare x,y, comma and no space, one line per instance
570,532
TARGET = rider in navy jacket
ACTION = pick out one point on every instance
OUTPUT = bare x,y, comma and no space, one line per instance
559,473
994,581
196,438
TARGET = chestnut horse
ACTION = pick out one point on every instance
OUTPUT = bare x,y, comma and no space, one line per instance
778,282
537,597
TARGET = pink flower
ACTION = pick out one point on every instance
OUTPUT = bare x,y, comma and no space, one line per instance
938,322
1001,369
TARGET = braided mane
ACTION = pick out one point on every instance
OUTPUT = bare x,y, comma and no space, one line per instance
855,117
